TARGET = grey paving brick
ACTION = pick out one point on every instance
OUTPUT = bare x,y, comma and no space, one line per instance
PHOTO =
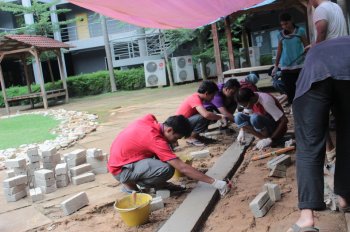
200,154
33,159
276,172
74,203
157,203
14,190
76,154
32,152
45,182
15,163
101,170
260,200
279,160
80,169
17,196
83,178
75,162
36,194
48,152
48,189
14,181
20,171
263,211
273,190
10,174
44,174
61,168
94,152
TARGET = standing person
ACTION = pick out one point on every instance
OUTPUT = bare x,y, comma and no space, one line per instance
263,117
330,23
141,155
291,42
329,20
224,101
193,109
324,81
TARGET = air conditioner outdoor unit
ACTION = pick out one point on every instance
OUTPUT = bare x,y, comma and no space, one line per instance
182,69
210,69
254,56
155,73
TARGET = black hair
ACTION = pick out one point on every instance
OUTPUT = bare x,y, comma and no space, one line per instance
231,84
284,17
180,125
208,87
244,95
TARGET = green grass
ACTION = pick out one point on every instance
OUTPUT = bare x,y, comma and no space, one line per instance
25,129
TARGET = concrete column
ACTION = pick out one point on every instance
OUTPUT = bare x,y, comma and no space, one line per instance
57,36
40,74
229,42
3,90
142,41
62,74
28,18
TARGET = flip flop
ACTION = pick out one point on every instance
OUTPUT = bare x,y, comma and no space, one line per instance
296,228
195,142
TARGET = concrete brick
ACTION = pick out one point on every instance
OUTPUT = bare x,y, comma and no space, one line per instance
36,194
75,162
17,196
94,152
15,163
212,133
44,174
263,211
277,171
49,166
157,203
48,152
101,170
14,181
32,152
76,154
83,178
78,170
20,171
74,203
10,174
14,190
62,177
164,194
280,160
33,159
259,201
273,190
45,182
61,168
48,189
200,154
62,183
34,166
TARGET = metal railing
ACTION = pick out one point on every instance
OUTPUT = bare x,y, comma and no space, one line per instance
94,29
148,44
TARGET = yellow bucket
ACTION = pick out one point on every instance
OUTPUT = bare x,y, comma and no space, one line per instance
134,209
177,173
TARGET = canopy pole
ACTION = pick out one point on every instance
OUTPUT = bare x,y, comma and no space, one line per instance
229,42
25,67
41,78
62,73
217,53
3,88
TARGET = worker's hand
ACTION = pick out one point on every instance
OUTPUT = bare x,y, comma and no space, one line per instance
274,71
263,143
241,136
223,186
307,48
223,120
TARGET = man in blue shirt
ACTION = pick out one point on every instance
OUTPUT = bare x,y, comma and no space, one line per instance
323,82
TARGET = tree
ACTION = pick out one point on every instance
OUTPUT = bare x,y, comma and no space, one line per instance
42,22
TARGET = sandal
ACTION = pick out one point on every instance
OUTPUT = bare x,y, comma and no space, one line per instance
195,142
296,228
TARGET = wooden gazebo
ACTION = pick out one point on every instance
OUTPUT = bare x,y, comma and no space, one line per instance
22,46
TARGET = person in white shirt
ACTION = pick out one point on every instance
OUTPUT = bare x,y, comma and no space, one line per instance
329,20
263,117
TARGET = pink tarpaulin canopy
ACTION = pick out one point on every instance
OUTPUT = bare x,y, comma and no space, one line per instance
166,14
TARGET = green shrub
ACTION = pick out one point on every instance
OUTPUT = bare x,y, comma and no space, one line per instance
85,84
266,59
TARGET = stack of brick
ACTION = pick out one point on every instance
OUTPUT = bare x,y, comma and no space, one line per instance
36,194
34,164
45,179
61,174
50,158
15,188
278,165
265,200
82,174
98,160
18,165
75,158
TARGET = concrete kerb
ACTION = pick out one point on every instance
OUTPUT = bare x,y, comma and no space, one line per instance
198,205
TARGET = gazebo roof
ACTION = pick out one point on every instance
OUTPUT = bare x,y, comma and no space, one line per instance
15,42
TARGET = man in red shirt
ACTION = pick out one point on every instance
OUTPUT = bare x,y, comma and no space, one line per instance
193,109
141,154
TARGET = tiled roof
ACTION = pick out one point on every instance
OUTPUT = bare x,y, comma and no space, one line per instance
14,42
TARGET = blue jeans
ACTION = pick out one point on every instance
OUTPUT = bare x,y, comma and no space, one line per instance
199,124
258,122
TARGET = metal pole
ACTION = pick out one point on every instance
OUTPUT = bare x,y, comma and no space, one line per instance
108,52
162,44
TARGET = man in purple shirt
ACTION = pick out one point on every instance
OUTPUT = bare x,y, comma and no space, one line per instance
323,82
224,101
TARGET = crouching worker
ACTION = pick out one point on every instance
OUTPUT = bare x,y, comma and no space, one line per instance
141,156
263,117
